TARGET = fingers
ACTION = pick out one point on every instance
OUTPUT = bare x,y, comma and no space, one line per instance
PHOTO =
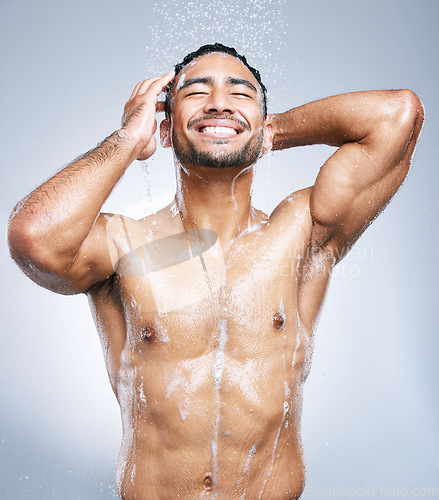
134,92
158,84
155,85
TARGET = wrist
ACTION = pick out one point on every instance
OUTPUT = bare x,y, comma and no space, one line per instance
125,139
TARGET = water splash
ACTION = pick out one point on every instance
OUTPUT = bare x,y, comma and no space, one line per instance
220,356
174,383
141,393
246,470
298,341
249,459
276,443
256,29
184,409
218,375
286,406
133,474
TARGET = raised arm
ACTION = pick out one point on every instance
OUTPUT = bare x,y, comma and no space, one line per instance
56,234
376,133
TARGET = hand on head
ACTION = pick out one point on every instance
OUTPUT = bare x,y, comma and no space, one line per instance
139,117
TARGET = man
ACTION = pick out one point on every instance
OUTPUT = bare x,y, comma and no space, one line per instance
206,309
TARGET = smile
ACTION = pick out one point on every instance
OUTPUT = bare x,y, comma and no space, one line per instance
218,130
219,127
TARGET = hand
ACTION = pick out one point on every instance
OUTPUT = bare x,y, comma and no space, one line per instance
139,119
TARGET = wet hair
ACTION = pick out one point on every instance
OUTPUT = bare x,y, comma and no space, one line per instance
209,49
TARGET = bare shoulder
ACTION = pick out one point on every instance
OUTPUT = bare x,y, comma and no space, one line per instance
294,211
129,234
293,217
297,202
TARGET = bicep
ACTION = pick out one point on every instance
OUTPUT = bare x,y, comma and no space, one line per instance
97,257
95,261
356,184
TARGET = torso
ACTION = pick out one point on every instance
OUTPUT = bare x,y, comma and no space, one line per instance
207,353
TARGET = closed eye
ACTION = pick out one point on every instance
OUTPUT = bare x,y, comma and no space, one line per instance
196,93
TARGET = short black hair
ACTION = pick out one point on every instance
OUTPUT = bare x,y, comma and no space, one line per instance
209,49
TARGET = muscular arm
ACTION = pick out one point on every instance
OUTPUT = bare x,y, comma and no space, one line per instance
56,234
375,133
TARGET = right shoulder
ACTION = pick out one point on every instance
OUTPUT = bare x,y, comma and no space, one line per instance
129,236
122,234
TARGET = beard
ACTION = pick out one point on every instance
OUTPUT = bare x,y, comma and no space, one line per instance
244,157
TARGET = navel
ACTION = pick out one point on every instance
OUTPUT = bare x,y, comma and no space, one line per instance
279,320
207,481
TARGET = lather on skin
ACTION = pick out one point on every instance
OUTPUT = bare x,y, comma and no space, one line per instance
206,309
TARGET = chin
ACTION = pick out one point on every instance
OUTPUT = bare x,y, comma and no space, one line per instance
218,158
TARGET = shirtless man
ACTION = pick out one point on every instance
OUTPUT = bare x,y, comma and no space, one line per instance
206,309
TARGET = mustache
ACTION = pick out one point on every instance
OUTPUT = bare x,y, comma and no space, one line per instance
243,124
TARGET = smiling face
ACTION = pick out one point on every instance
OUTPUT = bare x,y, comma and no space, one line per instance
217,114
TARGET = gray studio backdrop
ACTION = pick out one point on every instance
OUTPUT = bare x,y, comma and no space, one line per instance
371,415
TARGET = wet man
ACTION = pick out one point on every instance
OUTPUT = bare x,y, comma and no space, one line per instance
206,309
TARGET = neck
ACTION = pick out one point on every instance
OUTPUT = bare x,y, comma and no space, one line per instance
216,199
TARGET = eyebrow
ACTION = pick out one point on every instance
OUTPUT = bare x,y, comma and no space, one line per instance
241,81
208,80
192,81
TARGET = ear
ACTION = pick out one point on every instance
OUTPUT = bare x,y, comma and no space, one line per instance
268,136
165,133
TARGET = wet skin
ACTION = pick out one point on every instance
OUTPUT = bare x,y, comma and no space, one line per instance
206,309
207,360
207,356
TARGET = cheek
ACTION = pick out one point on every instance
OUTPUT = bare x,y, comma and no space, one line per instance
182,115
177,121
253,114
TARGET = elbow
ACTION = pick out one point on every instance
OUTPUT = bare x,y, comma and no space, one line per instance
20,238
27,242
401,120
23,247
35,258
408,110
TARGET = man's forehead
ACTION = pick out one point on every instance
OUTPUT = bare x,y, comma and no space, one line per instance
215,65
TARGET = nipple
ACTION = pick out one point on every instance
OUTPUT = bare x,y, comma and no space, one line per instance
279,320
147,333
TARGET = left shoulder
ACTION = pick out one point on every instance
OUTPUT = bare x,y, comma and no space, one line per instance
291,221
295,208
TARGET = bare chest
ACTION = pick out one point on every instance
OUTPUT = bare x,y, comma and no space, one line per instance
186,297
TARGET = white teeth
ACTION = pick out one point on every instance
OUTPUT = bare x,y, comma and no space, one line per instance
219,130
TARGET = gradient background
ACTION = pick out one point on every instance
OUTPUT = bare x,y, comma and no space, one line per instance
371,412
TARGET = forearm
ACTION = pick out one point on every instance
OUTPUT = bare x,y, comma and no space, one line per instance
59,214
337,120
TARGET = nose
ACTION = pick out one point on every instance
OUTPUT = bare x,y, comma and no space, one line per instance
219,102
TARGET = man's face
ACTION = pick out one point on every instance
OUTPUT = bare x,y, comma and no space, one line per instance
217,116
